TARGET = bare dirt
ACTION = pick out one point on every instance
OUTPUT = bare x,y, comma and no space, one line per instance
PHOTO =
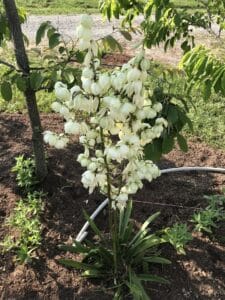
200,274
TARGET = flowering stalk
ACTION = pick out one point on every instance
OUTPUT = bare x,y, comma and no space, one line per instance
115,132
112,224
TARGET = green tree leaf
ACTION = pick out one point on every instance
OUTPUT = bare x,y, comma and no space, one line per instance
36,80
6,91
182,143
172,114
126,35
112,43
167,144
206,89
54,40
41,31
21,83
153,151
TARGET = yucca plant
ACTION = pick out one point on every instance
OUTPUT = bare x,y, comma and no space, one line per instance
136,251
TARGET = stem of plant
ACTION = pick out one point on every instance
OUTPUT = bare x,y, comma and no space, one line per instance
112,217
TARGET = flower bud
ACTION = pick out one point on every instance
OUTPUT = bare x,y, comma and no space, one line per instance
144,76
82,139
137,87
101,178
83,44
50,138
133,75
88,73
106,123
124,150
114,130
157,107
161,121
138,100
132,188
150,113
158,129
75,89
83,33
86,21
112,153
122,198
104,81
98,153
56,106
128,108
87,59
96,89
64,110
92,166
62,93
60,143
86,84
112,102
91,142
132,139
83,160
71,127
118,81
145,64
94,48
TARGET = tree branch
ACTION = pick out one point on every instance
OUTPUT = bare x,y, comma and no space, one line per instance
8,65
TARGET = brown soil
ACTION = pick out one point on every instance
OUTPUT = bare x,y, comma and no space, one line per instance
198,275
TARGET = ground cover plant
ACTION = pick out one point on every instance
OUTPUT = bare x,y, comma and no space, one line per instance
23,223
24,228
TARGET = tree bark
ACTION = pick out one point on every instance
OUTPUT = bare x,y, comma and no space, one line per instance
30,95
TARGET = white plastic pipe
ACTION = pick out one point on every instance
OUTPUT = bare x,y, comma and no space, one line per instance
189,169
83,232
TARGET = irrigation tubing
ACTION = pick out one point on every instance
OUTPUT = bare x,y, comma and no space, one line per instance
83,232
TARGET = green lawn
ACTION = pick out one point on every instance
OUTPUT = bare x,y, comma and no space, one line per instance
189,4
58,6
77,6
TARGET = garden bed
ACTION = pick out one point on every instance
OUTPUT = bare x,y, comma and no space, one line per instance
198,275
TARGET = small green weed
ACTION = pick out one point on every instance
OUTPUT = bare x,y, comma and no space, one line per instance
206,219
25,227
178,236
25,172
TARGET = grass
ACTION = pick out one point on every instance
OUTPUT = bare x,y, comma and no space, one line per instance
208,117
48,7
189,4
209,120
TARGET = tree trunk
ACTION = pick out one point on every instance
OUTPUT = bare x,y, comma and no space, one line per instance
30,95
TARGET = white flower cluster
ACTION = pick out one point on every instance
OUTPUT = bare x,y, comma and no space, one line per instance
116,131
84,32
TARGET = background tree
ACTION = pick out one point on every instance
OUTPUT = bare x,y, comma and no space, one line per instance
29,93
